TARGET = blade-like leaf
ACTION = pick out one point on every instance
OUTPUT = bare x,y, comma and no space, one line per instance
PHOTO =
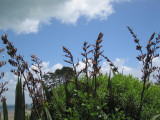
155,117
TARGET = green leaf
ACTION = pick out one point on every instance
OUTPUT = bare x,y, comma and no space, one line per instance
155,117
70,110
48,114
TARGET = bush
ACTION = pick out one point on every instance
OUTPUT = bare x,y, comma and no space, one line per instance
121,102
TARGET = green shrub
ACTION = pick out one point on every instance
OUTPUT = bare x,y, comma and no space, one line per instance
124,97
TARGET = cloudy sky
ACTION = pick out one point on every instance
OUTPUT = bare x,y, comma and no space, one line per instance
43,27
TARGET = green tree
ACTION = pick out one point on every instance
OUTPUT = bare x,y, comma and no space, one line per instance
5,111
59,76
19,102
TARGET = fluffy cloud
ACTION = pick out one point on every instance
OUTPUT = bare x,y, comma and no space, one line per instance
46,67
26,16
136,72
55,67
120,63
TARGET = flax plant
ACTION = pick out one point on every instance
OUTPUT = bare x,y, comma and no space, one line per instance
3,84
70,61
96,60
33,84
86,62
97,53
146,59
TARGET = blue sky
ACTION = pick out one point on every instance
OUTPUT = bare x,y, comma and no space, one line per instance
43,28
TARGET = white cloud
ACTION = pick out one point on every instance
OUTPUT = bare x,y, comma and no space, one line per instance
156,61
120,63
45,67
26,16
55,67
136,72
80,66
27,26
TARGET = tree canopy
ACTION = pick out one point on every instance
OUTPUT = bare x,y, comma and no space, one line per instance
59,76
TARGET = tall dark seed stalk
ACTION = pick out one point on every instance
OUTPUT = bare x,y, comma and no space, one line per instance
2,63
146,59
86,62
96,60
3,84
70,61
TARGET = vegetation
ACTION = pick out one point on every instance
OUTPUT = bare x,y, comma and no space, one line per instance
87,94
19,102
5,110
116,98
58,77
